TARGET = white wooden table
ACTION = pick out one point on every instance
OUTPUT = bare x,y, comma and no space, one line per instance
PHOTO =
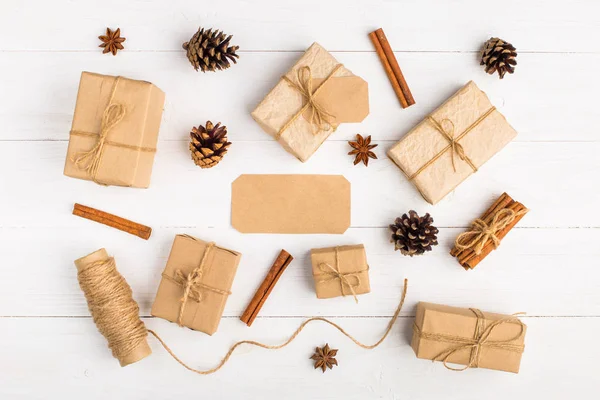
548,266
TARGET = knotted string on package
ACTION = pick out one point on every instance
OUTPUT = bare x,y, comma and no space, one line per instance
320,119
480,233
333,273
116,315
481,339
191,284
453,141
113,114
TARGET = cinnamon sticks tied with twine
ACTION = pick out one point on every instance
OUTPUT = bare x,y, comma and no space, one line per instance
281,262
392,69
111,220
472,246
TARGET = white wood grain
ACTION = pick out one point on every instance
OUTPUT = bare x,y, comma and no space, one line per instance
414,25
547,266
66,358
39,97
532,272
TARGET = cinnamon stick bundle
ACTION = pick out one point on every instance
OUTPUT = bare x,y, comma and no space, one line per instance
469,257
281,262
111,220
391,67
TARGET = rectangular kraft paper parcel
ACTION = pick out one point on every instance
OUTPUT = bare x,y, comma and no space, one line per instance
469,337
207,270
310,101
115,130
452,143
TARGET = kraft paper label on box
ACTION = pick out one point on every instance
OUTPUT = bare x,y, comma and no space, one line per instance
290,204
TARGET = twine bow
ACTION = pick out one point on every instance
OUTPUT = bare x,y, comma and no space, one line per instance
113,114
320,119
333,273
453,142
481,232
192,284
481,339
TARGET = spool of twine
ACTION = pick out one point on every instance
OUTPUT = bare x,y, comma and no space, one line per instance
116,315
112,306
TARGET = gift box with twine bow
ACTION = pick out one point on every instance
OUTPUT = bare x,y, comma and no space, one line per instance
195,284
469,337
115,130
451,143
310,101
340,271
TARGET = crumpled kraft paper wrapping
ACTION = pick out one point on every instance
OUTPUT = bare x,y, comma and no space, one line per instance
119,166
219,271
290,204
345,96
424,142
461,322
352,260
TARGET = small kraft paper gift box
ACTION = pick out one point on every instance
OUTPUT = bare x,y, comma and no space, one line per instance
195,284
115,130
340,271
452,143
310,101
469,337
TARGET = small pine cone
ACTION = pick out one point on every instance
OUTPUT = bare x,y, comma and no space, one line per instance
208,144
210,51
414,235
498,56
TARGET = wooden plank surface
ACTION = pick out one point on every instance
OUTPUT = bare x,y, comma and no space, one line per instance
547,266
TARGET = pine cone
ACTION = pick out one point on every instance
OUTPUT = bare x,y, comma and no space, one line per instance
209,144
210,51
498,55
414,235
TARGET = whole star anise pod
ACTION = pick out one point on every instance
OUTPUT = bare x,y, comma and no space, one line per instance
324,357
362,150
112,41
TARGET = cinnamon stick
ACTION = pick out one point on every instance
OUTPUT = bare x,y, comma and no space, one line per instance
111,220
281,262
390,64
467,258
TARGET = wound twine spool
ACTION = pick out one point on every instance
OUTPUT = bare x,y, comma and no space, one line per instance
116,315
112,306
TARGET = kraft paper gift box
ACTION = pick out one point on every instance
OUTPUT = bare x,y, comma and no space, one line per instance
468,337
310,101
115,130
340,271
452,143
195,284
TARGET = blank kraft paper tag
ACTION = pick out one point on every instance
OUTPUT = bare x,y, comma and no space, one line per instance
290,204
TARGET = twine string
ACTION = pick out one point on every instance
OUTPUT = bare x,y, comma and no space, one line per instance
453,142
89,160
481,339
480,233
112,306
333,273
320,119
290,339
116,314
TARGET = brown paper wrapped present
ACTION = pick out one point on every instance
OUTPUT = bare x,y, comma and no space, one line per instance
452,143
115,130
195,284
340,271
468,337
310,101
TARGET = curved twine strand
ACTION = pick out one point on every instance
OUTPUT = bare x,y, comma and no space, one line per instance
294,335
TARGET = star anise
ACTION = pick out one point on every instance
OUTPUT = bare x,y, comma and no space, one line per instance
325,357
112,41
362,150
